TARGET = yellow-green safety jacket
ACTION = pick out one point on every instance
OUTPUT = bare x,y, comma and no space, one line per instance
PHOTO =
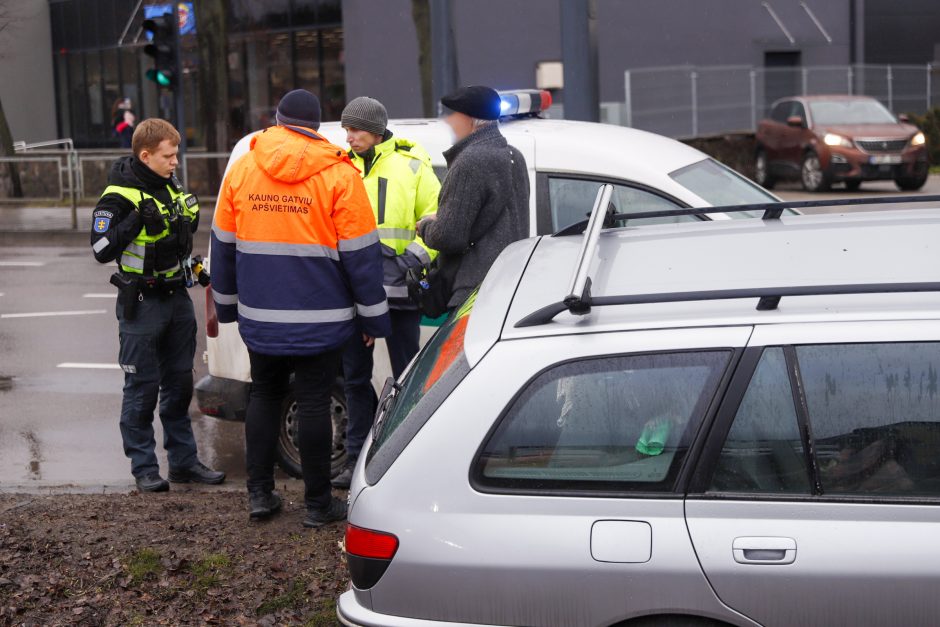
165,252
402,188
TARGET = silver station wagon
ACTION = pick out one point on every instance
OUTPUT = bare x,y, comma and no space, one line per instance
729,422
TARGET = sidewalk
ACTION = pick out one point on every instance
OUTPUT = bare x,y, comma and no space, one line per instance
52,226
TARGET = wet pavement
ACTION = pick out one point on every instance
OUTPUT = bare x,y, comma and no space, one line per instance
875,189
60,387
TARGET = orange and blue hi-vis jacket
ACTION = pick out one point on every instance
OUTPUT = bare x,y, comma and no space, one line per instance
295,252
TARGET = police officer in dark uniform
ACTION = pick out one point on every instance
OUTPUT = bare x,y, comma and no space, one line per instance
145,221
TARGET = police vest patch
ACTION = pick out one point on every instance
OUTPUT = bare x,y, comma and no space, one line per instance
102,224
191,201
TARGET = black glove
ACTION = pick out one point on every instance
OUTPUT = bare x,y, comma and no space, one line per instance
151,217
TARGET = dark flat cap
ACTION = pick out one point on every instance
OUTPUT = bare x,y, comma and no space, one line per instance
476,101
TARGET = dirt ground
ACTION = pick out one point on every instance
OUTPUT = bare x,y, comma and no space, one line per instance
187,557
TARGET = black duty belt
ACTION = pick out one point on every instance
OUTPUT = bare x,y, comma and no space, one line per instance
160,286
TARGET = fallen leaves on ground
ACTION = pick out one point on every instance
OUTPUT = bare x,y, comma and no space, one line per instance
178,558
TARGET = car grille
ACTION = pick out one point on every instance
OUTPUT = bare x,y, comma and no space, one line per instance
881,145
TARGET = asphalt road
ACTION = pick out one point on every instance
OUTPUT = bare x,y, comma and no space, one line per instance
59,411
793,191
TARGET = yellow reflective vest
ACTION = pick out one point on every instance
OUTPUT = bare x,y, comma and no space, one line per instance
133,259
402,188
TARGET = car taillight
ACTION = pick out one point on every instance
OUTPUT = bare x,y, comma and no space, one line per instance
212,318
368,555
372,544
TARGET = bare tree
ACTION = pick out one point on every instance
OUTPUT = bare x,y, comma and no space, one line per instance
7,19
421,15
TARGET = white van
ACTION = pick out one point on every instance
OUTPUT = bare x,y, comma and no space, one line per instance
568,161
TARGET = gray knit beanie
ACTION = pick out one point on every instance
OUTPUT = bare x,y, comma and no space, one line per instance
365,114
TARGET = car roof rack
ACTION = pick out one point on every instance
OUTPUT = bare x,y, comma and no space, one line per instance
579,300
772,210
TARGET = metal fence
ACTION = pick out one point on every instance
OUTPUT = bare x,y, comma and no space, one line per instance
40,174
691,101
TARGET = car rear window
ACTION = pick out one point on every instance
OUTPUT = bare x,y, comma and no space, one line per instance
719,185
604,424
407,405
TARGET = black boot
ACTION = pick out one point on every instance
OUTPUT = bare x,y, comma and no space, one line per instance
152,482
344,478
262,504
333,512
197,473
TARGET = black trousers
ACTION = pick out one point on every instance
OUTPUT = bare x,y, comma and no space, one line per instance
157,349
313,380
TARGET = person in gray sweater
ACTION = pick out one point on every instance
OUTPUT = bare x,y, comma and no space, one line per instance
484,201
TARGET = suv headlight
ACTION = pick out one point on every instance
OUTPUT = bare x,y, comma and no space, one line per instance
918,140
831,139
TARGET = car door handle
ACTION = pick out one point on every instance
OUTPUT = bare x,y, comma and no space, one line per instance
764,550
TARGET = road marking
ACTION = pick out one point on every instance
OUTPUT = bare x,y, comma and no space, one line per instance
22,264
89,366
47,314
108,295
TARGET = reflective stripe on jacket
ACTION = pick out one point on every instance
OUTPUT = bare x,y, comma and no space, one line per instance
295,252
134,257
402,189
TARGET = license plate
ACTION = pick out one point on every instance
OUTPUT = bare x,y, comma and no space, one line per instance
885,159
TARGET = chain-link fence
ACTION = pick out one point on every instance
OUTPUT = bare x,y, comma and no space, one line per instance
690,101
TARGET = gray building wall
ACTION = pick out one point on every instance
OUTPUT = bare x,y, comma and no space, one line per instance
902,31
27,86
500,42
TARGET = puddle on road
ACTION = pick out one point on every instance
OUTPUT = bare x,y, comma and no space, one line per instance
35,454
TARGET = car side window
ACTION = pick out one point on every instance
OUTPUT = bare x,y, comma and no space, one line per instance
781,112
763,452
572,199
800,111
612,423
875,415
871,413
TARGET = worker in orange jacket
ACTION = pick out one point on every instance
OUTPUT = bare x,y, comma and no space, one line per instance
296,261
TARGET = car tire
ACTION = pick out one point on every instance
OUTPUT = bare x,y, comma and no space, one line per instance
910,183
812,175
762,175
288,455
853,186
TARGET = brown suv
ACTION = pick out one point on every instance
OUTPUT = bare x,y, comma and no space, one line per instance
824,139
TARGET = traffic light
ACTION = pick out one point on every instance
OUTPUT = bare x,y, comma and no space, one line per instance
163,49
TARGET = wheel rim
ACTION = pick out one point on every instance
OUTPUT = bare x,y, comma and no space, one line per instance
761,169
289,434
812,172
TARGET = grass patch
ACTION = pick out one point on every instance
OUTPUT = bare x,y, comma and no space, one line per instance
207,571
935,169
144,564
325,616
293,597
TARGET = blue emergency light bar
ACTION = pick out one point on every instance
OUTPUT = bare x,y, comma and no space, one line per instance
523,102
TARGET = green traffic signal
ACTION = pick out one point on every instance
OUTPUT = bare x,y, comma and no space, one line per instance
164,79
162,49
